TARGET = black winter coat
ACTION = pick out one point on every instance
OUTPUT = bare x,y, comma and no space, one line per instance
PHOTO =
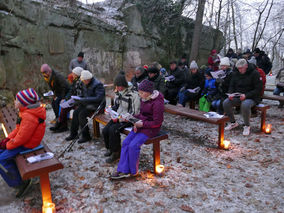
75,89
93,93
248,83
58,84
179,79
264,63
135,81
159,83
194,80
223,85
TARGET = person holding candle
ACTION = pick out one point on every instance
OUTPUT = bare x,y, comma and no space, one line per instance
244,91
28,134
151,117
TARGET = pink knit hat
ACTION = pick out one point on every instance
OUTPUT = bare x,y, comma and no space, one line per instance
27,97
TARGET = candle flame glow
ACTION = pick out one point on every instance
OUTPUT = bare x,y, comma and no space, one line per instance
160,169
4,130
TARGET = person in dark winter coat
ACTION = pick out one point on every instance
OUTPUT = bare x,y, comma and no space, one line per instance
139,75
68,103
157,79
150,121
126,100
261,73
213,60
246,82
93,95
262,60
57,84
174,82
192,86
29,131
279,81
222,85
231,54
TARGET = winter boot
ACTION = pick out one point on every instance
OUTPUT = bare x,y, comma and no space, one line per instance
107,153
24,187
56,126
114,156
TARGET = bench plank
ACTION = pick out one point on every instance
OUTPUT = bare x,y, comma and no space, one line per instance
273,97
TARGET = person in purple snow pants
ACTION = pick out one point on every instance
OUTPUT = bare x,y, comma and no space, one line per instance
151,117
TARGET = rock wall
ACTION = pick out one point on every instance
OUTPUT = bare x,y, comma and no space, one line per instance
113,38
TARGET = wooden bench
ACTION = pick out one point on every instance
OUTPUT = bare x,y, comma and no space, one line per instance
269,89
104,119
8,117
199,115
273,97
262,108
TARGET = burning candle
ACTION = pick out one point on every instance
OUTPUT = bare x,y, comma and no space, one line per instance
4,130
225,144
160,170
268,129
48,208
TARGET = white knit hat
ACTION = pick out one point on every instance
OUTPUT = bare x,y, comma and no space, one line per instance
241,62
193,65
77,71
86,75
225,61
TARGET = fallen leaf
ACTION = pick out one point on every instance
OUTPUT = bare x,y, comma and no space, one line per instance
187,208
248,185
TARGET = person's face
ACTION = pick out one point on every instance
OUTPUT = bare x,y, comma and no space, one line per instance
193,71
151,75
143,94
243,69
17,104
80,59
224,67
120,88
74,75
86,82
173,66
45,73
256,54
138,73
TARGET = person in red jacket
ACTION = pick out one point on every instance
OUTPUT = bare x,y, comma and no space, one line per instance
29,131
213,60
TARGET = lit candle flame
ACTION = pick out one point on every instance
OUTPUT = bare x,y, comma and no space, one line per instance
160,169
226,144
48,208
268,128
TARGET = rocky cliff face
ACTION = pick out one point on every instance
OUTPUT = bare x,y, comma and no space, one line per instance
112,35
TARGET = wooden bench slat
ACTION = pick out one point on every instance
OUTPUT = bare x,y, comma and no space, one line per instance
273,97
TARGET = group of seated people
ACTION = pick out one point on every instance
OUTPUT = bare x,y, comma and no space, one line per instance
139,103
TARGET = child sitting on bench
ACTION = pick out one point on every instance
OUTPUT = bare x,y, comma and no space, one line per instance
28,134
150,121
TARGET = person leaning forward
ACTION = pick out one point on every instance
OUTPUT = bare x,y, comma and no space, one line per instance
93,95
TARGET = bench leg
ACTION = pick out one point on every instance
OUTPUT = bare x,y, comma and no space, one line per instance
156,155
96,126
221,134
263,118
192,104
45,188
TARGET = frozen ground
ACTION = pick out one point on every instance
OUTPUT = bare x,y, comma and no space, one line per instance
198,177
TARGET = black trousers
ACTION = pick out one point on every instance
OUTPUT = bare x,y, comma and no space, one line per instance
111,135
80,120
171,95
55,106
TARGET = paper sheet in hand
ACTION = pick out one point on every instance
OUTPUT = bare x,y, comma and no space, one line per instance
195,90
76,98
236,94
213,115
49,93
128,129
218,74
67,104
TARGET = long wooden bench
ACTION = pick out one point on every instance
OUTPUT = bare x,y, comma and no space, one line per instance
104,119
199,115
273,97
8,117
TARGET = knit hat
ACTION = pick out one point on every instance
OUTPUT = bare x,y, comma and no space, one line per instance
77,71
153,70
256,50
86,75
213,51
120,80
225,61
241,62
193,65
81,54
27,97
146,86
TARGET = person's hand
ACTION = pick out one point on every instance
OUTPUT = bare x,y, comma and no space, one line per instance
122,119
138,124
242,97
231,97
3,143
135,129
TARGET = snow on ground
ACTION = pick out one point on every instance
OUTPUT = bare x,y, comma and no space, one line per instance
198,176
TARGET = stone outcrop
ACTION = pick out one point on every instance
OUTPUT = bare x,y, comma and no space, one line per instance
113,37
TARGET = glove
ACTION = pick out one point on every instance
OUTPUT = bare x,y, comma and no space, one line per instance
3,143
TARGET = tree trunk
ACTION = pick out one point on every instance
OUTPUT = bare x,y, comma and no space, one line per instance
197,30
234,25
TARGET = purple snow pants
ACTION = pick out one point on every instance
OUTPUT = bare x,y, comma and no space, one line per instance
129,156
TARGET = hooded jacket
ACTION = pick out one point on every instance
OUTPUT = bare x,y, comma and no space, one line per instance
30,128
151,114
248,83
58,84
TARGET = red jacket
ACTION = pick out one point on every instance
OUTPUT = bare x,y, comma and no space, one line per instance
31,129
262,78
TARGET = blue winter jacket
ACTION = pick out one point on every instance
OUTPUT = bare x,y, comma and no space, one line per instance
93,93
210,88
